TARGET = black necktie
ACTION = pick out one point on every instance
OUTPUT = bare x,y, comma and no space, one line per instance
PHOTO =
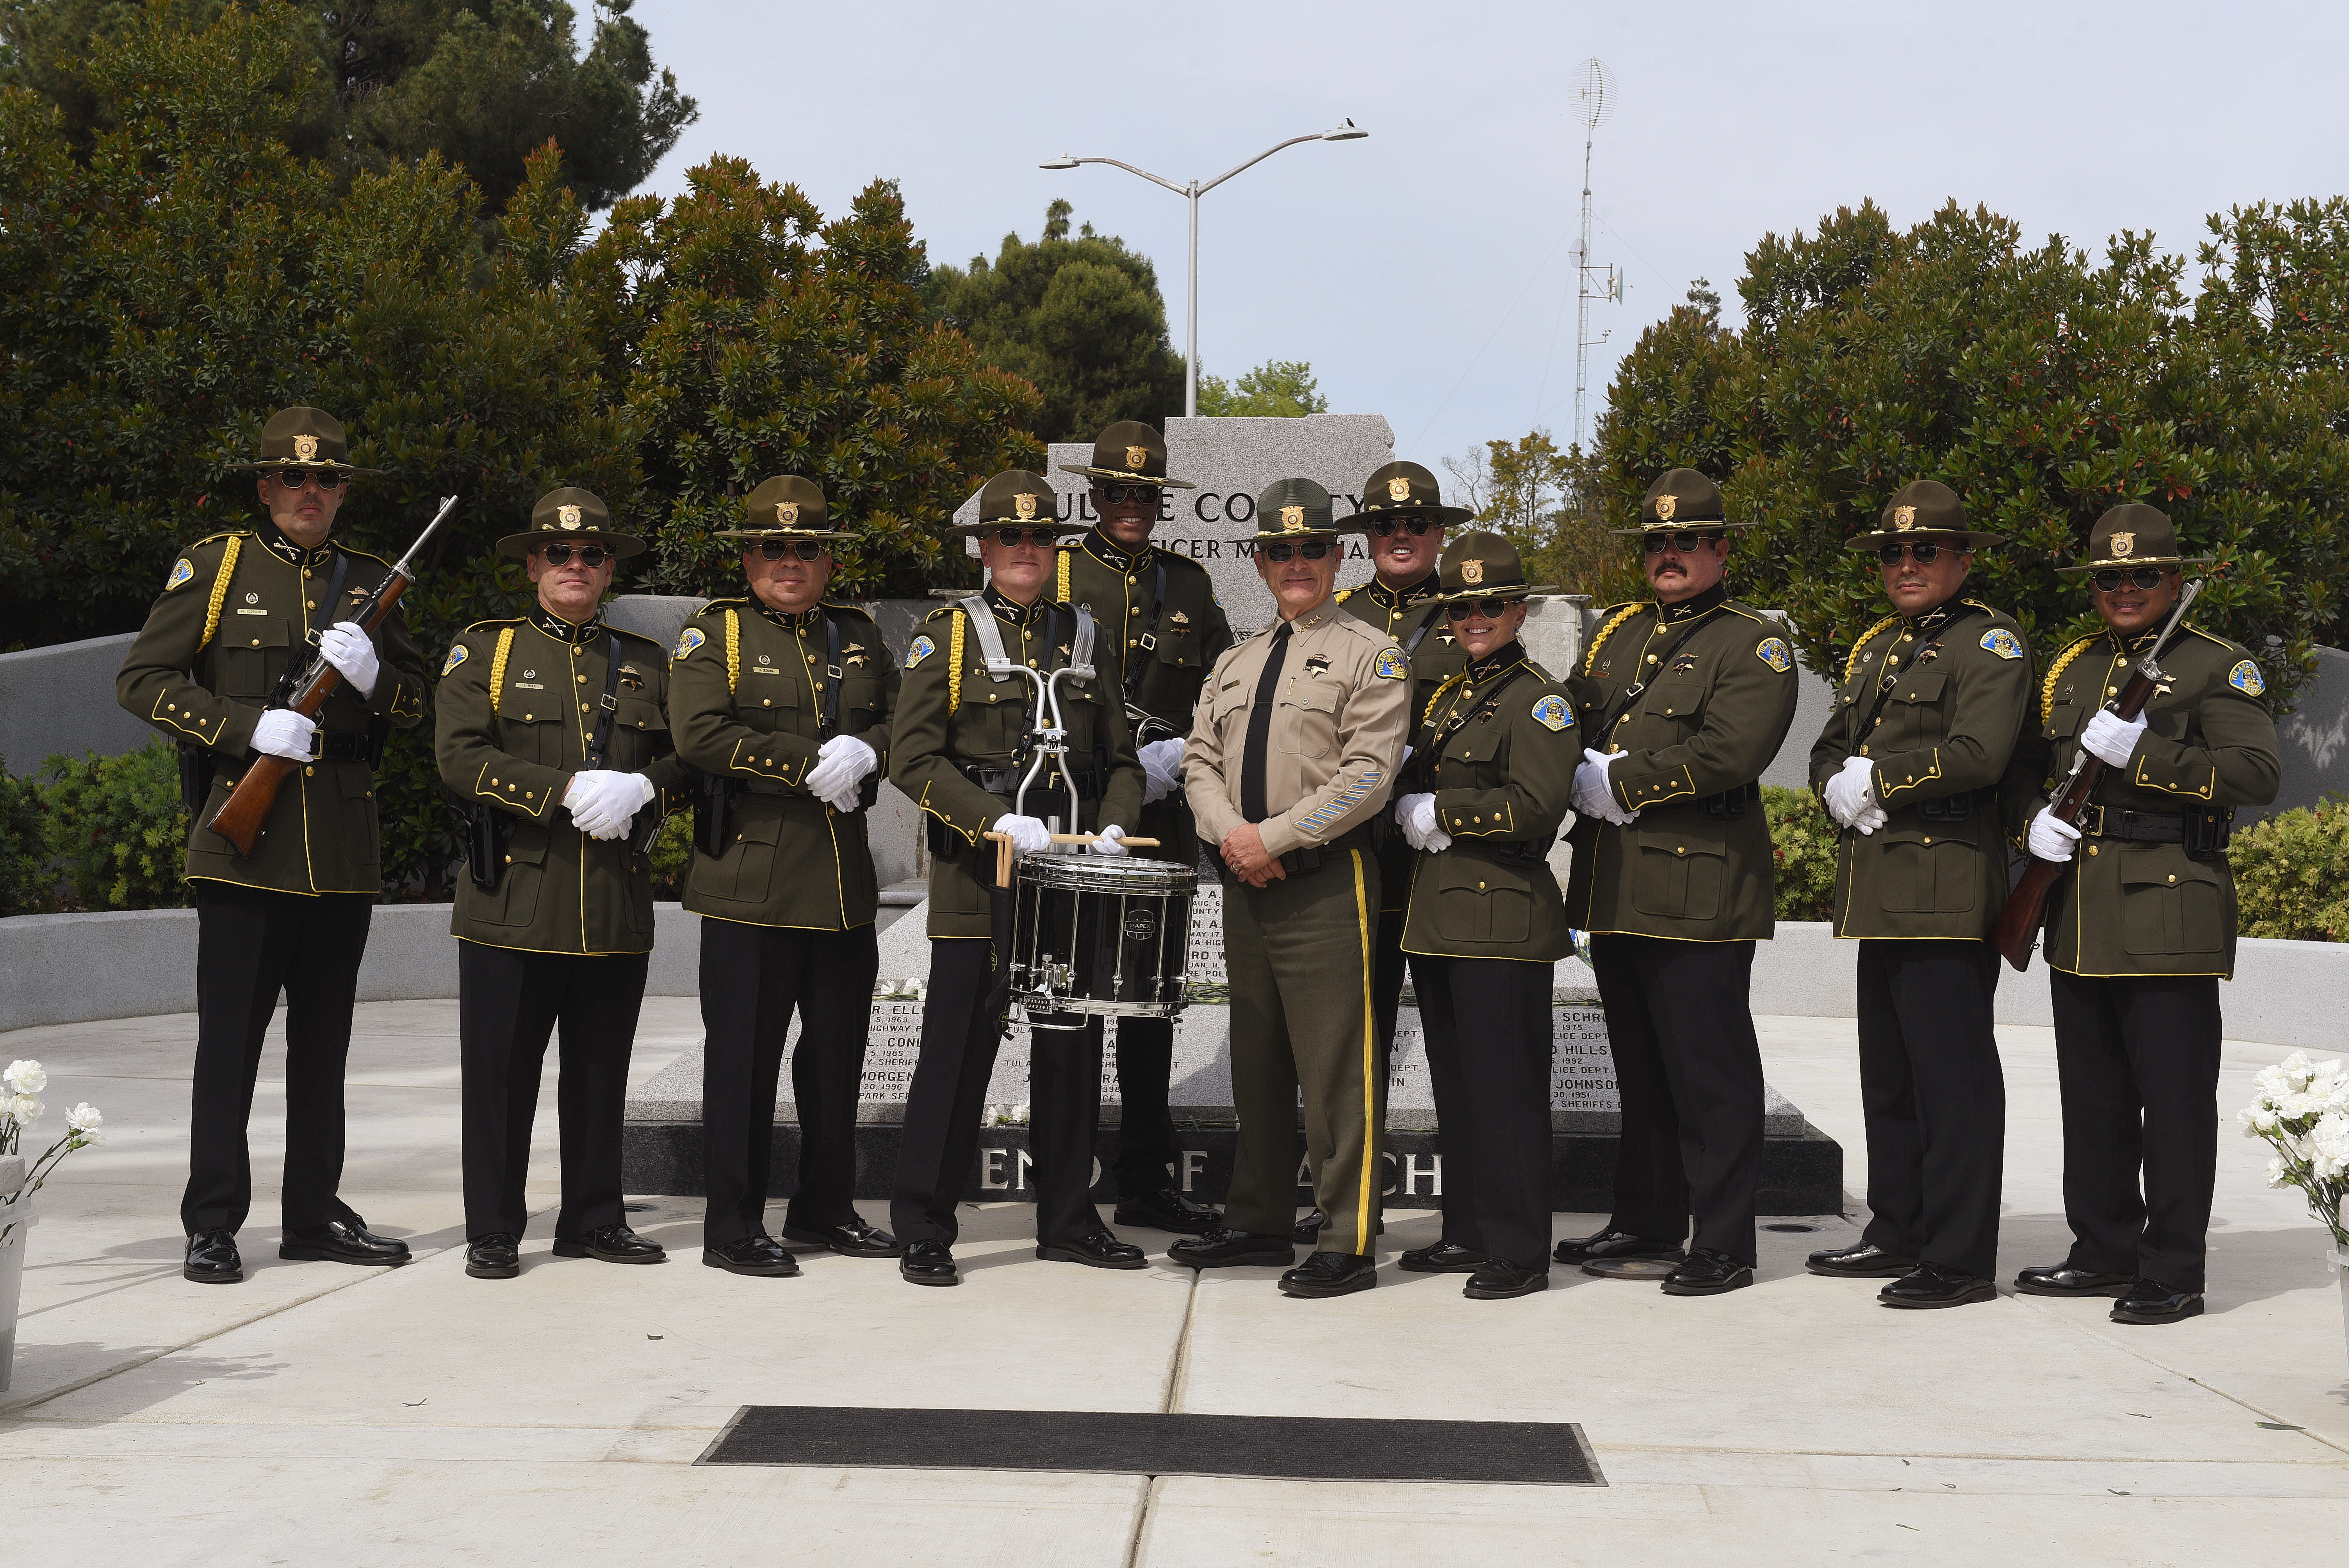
1252,806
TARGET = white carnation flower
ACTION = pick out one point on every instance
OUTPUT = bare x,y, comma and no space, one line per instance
25,1078
2328,1143
2277,1173
85,1119
24,1109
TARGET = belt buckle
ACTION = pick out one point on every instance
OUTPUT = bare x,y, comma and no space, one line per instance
2088,824
317,743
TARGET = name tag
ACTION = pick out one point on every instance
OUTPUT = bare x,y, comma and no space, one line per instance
764,670
252,611
530,686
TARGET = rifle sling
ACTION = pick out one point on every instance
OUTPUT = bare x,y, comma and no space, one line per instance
1460,721
1134,665
1885,682
603,736
1630,694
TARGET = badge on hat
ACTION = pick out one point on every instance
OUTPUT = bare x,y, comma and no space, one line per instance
180,572
1399,489
2123,545
569,514
457,655
1472,572
1392,665
691,638
1136,456
305,448
2245,678
1023,507
1292,517
787,512
1773,652
2002,642
1904,518
1552,714
922,649
1666,504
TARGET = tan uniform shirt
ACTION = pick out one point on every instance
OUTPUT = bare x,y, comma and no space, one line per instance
1340,716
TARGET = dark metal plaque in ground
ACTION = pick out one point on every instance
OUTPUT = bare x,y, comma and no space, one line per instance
1277,1448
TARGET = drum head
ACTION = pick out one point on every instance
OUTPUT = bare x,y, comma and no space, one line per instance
1107,873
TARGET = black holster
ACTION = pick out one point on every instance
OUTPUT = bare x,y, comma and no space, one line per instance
1957,807
2208,831
488,832
196,770
713,806
1730,804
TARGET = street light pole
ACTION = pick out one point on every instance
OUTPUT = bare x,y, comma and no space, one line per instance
1345,131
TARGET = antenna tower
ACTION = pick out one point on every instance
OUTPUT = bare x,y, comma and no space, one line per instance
1594,92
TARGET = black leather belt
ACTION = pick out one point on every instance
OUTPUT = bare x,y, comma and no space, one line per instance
1006,780
342,749
2144,827
1732,802
761,787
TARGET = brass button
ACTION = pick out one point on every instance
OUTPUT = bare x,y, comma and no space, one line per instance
1651,659
525,718
310,605
766,702
2173,876
577,652
256,642
1880,721
1863,751
2092,849
2112,691
492,781
509,860
1679,849
1929,839
309,773
582,708
530,794
1480,887
1134,610
1907,638
582,680
1668,712
305,574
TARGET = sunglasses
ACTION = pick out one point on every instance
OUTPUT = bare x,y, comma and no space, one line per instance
1924,551
561,554
326,480
1118,495
1684,540
1490,609
1416,526
1012,537
1312,549
776,548
2142,578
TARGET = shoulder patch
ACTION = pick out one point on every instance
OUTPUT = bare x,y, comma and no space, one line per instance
458,654
689,639
2245,678
2002,642
1773,652
1552,714
922,649
1392,665
181,572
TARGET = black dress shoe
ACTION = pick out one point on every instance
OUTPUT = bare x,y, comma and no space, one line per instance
1330,1274
2064,1279
1499,1279
762,1256
343,1241
1613,1245
1937,1285
1100,1250
494,1256
2150,1301
1708,1273
1224,1248
928,1262
1866,1261
1309,1229
212,1258
1166,1209
1442,1258
852,1238
611,1244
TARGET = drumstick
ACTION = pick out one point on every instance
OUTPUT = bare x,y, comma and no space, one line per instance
1003,850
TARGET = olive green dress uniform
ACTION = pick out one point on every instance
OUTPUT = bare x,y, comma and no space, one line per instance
1675,901
1301,729
1161,629
564,936
1935,701
788,906
1497,747
2141,927
955,751
236,610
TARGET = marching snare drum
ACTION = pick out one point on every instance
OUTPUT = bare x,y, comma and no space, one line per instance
1101,935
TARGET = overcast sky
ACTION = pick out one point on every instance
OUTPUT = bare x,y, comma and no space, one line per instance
1426,273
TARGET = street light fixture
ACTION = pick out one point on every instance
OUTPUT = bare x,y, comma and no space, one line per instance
1345,130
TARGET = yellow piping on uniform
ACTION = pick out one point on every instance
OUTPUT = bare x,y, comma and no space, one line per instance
954,660
1369,1065
2062,662
498,666
1851,665
220,591
734,652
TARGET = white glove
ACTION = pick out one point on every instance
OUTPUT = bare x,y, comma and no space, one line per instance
1162,767
2051,839
1028,835
1870,818
282,732
2112,738
1851,791
840,766
601,802
1106,843
1415,814
346,647
1592,796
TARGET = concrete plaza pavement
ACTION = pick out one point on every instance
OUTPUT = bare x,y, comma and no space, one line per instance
320,1413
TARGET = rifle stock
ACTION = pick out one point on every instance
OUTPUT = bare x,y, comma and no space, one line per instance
240,816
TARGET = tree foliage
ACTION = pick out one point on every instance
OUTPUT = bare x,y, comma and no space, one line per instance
1533,494
1080,318
2043,385
367,85
1278,388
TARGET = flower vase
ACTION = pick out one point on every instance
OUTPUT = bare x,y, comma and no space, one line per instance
17,1216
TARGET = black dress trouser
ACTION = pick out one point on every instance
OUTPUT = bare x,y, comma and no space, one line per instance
753,978
251,944
948,1095
508,1002
1489,1030
1146,1150
1679,1023
2137,1059
1935,1101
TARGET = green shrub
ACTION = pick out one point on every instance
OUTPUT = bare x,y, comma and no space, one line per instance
25,876
117,825
672,857
1804,840
2291,873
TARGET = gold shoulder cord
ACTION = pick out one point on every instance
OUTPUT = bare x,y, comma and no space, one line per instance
498,666
2054,673
1851,665
954,661
1453,680
1062,594
733,651
220,591
1590,659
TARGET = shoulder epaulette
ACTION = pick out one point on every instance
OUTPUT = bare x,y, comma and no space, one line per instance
493,621
1851,665
1540,673
1754,616
852,608
2055,671
941,610
364,555
632,637
1616,614
720,604
1343,594
1177,558
225,533
2230,645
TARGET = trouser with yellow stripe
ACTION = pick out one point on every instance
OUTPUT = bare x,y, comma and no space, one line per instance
1302,952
